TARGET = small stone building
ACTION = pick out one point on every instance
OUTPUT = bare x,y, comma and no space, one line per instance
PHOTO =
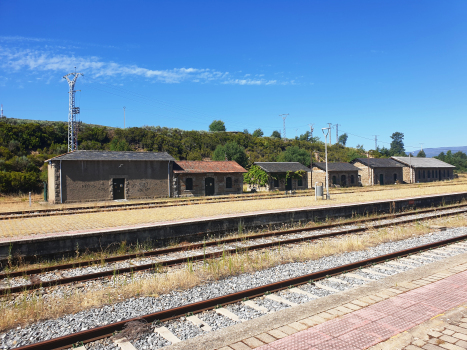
201,178
105,175
277,172
342,174
378,171
425,169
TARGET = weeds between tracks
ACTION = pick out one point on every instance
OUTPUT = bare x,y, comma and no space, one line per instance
30,307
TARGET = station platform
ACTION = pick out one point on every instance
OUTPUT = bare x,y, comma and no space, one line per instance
423,308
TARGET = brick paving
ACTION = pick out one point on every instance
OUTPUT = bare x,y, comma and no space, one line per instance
410,314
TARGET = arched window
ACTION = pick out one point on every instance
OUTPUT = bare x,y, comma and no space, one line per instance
352,179
300,182
189,184
428,173
276,182
423,173
334,180
228,182
343,180
395,177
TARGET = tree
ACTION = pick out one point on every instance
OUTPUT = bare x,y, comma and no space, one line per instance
119,145
295,154
276,134
397,144
305,137
256,176
258,133
231,151
421,154
217,125
343,139
246,132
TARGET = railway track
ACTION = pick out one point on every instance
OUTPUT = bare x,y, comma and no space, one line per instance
277,292
32,279
165,204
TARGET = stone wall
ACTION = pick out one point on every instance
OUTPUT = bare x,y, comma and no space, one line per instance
372,175
199,184
319,175
93,180
282,182
429,174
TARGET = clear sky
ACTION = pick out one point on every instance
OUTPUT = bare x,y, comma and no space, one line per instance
373,67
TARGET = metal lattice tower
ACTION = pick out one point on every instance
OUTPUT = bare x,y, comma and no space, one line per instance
283,119
72,113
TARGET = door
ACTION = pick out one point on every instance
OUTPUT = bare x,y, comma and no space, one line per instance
209,186
288,186
381,179
343,180
119,188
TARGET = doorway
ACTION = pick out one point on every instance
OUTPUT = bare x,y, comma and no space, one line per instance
209,186
343,180
119,188
288,186
381,179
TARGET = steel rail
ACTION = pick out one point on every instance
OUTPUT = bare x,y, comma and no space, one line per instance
165,315
194,246
200,257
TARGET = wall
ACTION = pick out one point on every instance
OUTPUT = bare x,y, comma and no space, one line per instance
199,184
369,175
282,182
92,180
53,188
419,177
319,175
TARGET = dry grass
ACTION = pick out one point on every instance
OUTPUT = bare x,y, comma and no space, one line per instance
99,220
29,309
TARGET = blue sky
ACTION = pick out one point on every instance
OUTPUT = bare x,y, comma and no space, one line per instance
373,67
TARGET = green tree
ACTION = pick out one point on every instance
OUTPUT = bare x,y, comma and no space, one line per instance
258,133
256,176
305,137
421,154
276,134
397,144
119,145
217,125
231,151
343,139
295,154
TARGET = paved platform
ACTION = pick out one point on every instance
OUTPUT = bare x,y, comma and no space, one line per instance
424,308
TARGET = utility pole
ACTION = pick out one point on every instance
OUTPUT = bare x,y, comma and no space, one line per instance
72,112
283,120
311,130
330,125
328,132
376,141
421,146
337,133
124,117
2,112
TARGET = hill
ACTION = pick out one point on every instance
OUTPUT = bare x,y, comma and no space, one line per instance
432,152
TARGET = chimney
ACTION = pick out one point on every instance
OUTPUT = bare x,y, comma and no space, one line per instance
317,156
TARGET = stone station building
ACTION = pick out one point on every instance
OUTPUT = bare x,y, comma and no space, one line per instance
277,172
201,178
81,176
342,174
378,171
425,169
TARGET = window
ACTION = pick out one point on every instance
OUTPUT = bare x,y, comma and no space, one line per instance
419,174
276,182
433,174
423,173
300,182
334,180
395,177
189,184
436,173
444,172
352,179
228,182
428,173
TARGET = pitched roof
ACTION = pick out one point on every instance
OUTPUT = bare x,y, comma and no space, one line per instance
199,166
336,166
281,167
417,162
378,162
113,155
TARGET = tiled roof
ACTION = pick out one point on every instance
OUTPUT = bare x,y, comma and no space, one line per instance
199,166
336,166
417,162
113,155
281,167
378,162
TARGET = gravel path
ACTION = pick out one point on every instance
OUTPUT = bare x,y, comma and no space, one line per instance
135,307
